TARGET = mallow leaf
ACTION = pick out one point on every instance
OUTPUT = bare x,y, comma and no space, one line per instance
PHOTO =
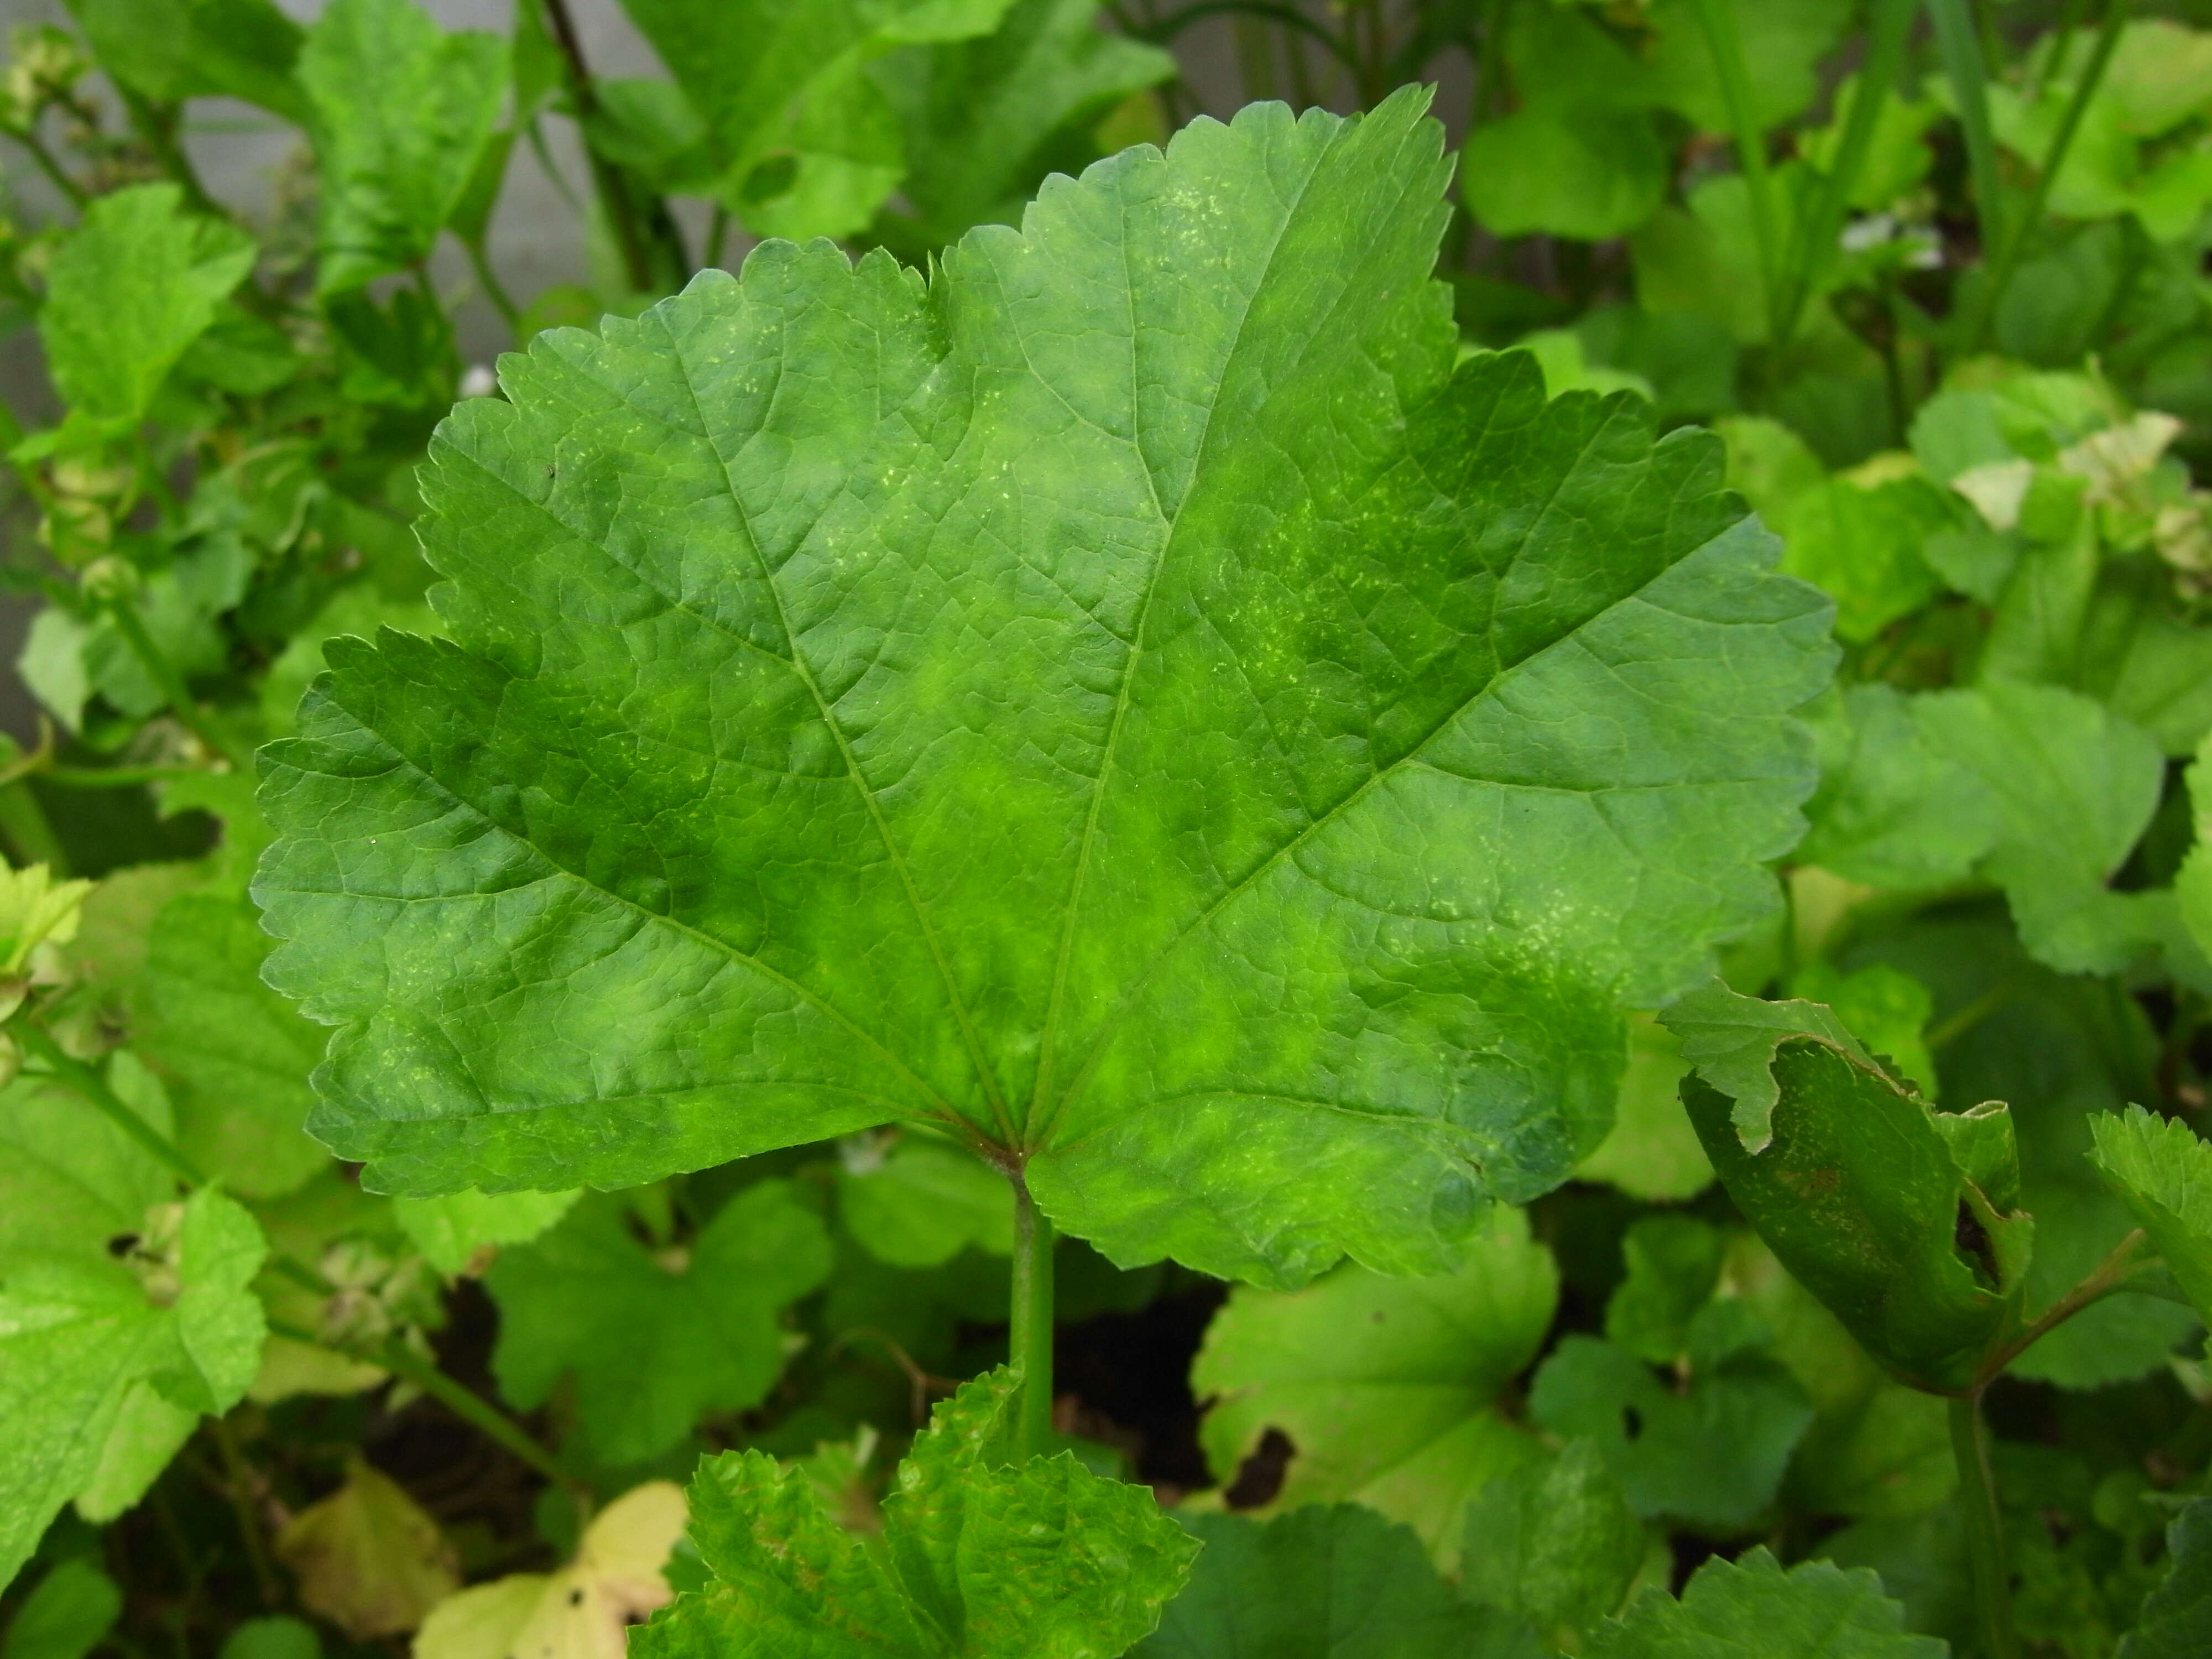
176,49
133,286
81,1330
1903,1221
1555,1541
2163,1170
1134,703
402,113
654,1338
980,1558
1330,1580
1387,1389
1750,1608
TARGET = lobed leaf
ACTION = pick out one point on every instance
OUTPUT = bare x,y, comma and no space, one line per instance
1750,1608
2163,1170
1132,704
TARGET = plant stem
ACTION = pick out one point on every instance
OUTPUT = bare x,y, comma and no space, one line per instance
157,125
164,674
52,168
1029,1340
1985,1550
1717,18
80,1077
609,182
238,1487
494,290
1960,46
2007,256
2107,1276
23,821
471,1408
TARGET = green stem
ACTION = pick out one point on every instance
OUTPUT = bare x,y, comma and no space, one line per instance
494,290
1985,1550
1029,1342
1813,244
625,224
23,822
164,674
157,125
718,235
1960,46
94,1088
238,1487
471,1408
2015,241
2123,1261
1717,18
47,165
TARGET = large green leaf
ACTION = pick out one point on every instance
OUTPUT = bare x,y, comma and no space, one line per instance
1902,1221
81,1331
1134,704
136,284
1751,1607
1332,1581
654,1338
1386,1389
402,114
980,1558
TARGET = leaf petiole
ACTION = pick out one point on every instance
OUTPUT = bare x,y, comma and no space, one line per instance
1985,1547
87,1083
1029,1337
164,674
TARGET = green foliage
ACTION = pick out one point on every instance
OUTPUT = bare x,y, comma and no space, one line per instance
1330,1581
1752,1606
1164,1102
980,1555
2177,1616
1554,1542
2163,1172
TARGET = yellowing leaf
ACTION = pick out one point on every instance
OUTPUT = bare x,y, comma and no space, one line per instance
584,1611
368,1557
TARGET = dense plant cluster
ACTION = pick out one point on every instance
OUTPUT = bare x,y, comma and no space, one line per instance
1194,888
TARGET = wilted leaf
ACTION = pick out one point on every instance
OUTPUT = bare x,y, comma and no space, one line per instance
368,1558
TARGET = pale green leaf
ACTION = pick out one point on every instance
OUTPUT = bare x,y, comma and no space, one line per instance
1652,1151
402,113
1782,47
654,1340
1749,1609
134,285
1893,809
452,1230
1885,1008
981,1559
920,1203
80,1330
1861,543
1730,1041
1330,1580
1555,1541
1386,1389
2163,1170
1236,802
368,1557
1673,1265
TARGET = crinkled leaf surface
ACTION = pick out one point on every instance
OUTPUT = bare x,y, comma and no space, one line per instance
981,1559
2163,1170
1857,1187
79,1333
1135,704
655,1338
1330,1580
1751,1609
136,284
402,111
1386,1389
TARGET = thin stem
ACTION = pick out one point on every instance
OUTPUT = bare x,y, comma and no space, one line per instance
494,290
52,168
2016,241
2109,1275
608,182
1960,46
157,125
472,1408
2062,43
1985,1550
23,822
164,674
1029,1342
1717,18
238,1486
76,1075
718,234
